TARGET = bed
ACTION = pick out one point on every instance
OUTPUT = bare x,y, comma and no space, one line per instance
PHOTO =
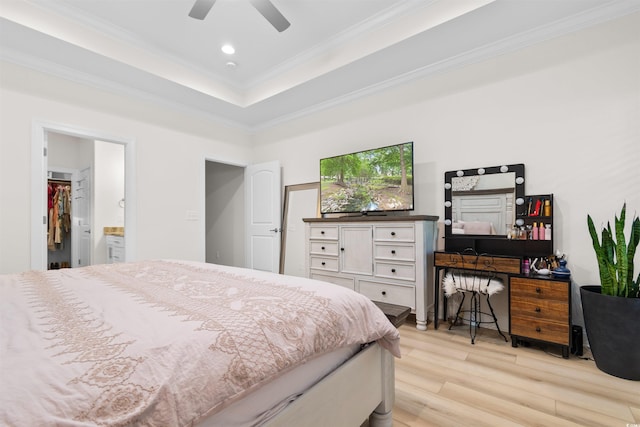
178,343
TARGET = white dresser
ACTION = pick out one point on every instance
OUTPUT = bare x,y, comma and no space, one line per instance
387,258
115,249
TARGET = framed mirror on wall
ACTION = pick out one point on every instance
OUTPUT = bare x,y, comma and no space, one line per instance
300,201
485,202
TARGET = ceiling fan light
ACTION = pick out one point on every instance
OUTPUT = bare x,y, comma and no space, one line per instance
228,49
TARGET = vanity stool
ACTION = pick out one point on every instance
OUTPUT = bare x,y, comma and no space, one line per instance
468,277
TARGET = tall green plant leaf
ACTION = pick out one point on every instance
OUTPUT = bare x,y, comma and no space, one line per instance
615,257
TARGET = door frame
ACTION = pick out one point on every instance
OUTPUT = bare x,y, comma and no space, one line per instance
203,202
39,165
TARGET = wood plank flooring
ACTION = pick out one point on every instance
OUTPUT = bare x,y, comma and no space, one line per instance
444,380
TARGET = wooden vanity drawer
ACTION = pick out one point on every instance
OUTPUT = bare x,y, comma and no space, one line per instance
493,263
395,271
322,263
540,309
539,288
329,232
323,248
389,251
543,330
389,293
394,233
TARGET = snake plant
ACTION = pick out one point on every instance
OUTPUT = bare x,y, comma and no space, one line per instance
615,256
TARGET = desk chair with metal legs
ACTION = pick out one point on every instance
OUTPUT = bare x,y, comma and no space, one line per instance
476,282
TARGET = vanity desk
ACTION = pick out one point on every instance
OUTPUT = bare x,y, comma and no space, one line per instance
488,213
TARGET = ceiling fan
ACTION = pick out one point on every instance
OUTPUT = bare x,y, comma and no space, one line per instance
201,8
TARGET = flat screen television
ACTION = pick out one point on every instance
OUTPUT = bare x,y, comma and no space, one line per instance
377,180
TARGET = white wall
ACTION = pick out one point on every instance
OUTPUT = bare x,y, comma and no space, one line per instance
568,108
170,151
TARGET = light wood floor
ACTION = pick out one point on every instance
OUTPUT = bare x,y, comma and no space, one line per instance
444,380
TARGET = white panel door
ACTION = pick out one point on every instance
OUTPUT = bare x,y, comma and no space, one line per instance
263,216
81,209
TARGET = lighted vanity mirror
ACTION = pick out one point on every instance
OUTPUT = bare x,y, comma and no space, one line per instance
484,201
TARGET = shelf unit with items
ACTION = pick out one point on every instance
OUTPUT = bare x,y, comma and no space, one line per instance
539,210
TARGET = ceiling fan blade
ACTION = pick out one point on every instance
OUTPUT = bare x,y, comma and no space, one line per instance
271,14
201,8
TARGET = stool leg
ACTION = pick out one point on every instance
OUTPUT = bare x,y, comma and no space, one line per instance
495,319
473,318
458,311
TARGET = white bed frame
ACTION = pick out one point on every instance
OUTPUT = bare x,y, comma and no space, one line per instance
361,388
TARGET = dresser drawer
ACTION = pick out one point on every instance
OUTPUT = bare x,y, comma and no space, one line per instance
116,241
539,289
540,329
553,310
395,271
389,251
346,282
392,294
323,248
394,233
329,232
322,263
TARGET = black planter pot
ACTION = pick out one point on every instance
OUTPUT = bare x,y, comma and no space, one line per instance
613,330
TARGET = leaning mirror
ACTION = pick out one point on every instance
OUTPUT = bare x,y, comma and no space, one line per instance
484,201
300,201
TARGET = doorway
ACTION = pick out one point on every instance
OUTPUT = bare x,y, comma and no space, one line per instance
243,214
46,152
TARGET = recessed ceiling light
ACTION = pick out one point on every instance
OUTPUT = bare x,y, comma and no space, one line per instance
231,64
228,49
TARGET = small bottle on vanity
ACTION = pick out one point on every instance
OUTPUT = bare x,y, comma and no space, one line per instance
541,233
547,232
547,207
525,266
534,231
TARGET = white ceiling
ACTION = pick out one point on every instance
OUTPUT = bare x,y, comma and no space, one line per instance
334,50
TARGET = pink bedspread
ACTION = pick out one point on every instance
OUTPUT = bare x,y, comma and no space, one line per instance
161,343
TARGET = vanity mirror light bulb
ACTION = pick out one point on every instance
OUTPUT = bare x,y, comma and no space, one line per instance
519,222
519,201
504,168
447,222
447,186
460,173
447,204
519,180
481,171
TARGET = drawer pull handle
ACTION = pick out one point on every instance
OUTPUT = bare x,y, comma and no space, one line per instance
384,292
393,233
322,248
537,309
538,290
342,249
393,252
324,263
538,329
322,232
393,270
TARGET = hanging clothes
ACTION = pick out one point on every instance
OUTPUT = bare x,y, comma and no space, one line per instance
59,203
